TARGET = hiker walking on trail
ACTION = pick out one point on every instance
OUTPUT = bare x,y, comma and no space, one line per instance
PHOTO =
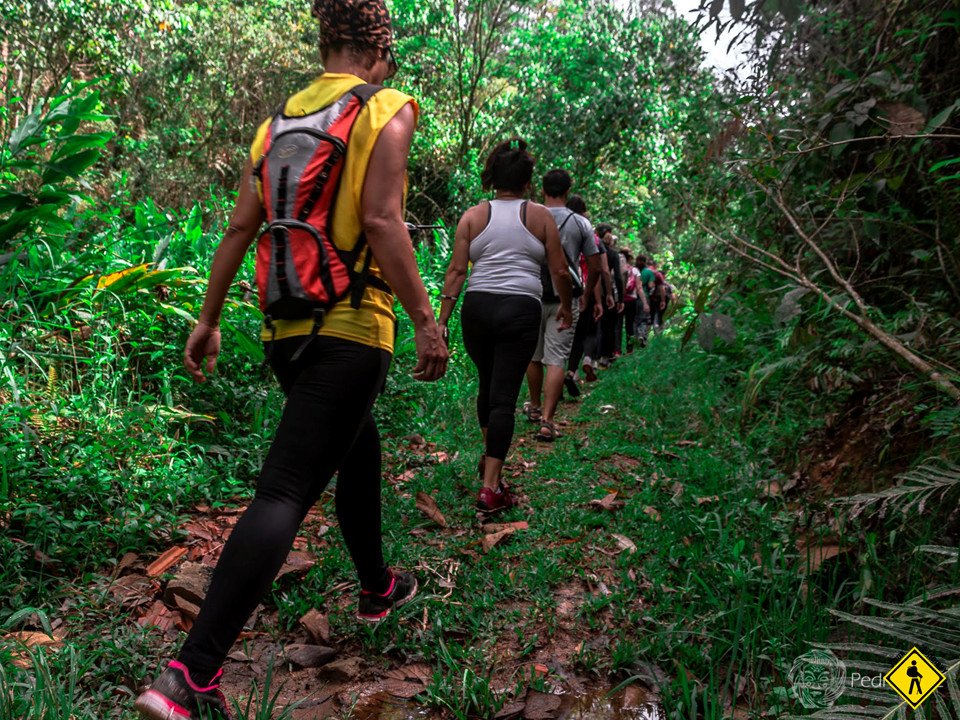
658,298
613,296
644,317
587,338
545,375
507,240
631,288
328,332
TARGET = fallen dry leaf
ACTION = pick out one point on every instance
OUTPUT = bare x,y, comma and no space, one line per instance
491,528
705,500
813,557
404,477
418,672
428,506
298,561
773,489
688,443
608,503
541,706
28,640
624,542
509,711
166,561
317,625
491,541
403,689
652,512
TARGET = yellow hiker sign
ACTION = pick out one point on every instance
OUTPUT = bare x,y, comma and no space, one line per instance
914,678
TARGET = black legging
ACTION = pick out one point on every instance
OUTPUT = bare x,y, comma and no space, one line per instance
608,332
500,333
629,318
585,337
327,427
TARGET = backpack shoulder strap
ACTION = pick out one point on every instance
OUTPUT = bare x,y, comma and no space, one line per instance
566,220
365,91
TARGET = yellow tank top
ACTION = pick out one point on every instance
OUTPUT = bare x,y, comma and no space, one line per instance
373,323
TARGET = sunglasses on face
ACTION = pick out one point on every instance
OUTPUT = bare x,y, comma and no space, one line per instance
392,65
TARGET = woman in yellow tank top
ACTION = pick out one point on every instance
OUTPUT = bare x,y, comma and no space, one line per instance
327,425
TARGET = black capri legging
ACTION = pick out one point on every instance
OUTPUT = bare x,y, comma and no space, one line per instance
327,427
500,333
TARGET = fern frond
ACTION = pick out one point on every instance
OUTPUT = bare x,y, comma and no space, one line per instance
908,633
950,553
913,611
914,490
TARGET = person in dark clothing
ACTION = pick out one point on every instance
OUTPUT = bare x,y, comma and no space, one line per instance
506,240
631,286
591,310
613,298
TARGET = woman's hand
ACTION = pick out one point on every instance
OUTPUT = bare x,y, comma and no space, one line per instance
203,344
564,317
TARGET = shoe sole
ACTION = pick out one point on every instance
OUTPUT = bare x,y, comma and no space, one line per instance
395,606
589,373
154,706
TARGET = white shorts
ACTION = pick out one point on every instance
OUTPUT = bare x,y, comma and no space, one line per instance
553,347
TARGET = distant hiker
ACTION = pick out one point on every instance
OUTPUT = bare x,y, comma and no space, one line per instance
644,311
658,297
631,286
329,333
507,240
613,296
553,349
586,345
665,290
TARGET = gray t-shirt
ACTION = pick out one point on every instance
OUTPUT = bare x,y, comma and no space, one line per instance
576,236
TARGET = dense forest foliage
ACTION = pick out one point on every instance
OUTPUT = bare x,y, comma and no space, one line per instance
808,208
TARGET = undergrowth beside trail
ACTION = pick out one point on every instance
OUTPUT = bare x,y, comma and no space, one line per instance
711,578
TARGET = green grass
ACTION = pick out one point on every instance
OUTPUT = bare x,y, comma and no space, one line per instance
711,594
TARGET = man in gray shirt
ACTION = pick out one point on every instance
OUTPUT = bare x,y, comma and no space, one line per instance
550,359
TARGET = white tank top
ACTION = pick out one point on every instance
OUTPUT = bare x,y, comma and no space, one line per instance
506,256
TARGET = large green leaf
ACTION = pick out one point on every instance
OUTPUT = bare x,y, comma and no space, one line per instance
10,200
71,166
25,133
77,143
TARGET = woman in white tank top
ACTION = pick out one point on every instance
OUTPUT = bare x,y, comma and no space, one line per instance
506,240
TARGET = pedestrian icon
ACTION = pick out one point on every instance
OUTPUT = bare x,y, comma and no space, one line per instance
914,678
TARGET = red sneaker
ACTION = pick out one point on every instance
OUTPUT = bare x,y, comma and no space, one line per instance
490,501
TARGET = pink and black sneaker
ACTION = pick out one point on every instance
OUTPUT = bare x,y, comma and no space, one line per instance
174,696
374,607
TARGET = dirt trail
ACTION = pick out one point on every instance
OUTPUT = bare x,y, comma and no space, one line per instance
329,674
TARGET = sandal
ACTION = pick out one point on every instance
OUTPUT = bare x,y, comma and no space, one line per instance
551,433
533,414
